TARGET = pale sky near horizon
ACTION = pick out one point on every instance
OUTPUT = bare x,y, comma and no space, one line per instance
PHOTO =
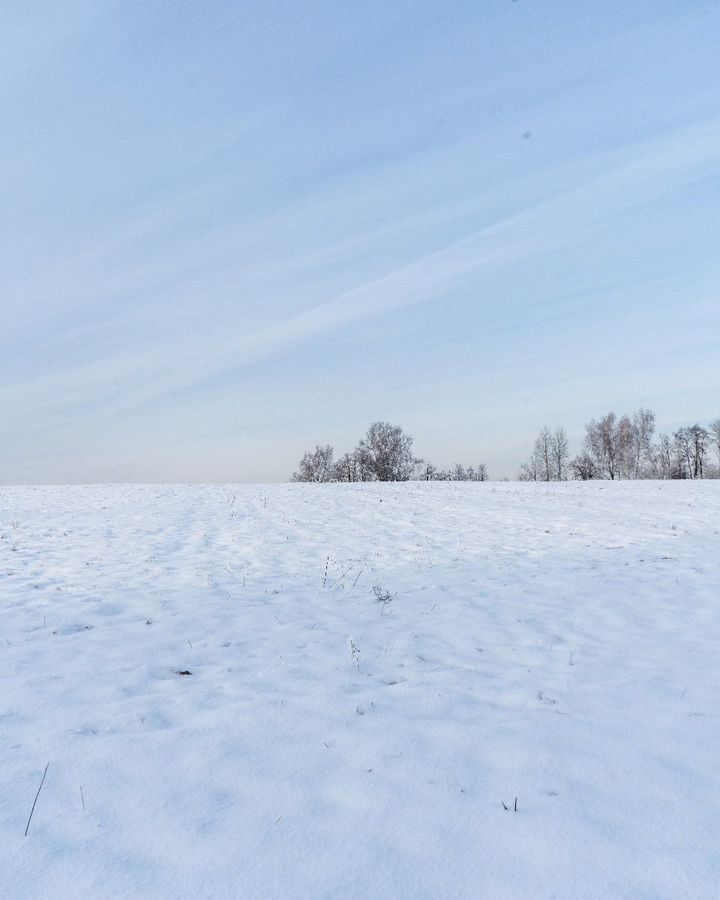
233,230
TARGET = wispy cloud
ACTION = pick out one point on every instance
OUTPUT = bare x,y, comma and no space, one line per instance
633,176
242,253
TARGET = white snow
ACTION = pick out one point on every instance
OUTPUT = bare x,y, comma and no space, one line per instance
558,644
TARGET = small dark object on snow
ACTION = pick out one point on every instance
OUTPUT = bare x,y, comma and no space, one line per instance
382,596
184,672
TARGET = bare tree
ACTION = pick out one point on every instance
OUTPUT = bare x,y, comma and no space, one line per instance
715,438
345,469
602,446
665,463
354,466
363,463
583,467
626,441
429,472
316,465
530,471
700,445
386,453
682,446
621,448
643,430
691,444
456,473
537,468
549,457
559,453
633,438
543,452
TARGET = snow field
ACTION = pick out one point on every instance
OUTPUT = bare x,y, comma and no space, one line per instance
558,644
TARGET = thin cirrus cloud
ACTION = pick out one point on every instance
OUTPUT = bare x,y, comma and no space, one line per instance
546,226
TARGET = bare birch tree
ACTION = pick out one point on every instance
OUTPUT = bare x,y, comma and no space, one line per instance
559,453
316,465
602,445
715,439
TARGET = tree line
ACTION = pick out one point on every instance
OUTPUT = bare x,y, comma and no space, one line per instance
614,448
625,447
385,453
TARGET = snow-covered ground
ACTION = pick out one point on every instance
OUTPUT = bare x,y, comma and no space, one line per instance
555,644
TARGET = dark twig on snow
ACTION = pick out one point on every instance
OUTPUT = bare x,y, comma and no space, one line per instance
382,596
36,799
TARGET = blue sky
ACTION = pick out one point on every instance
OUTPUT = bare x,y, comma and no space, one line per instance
233,230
